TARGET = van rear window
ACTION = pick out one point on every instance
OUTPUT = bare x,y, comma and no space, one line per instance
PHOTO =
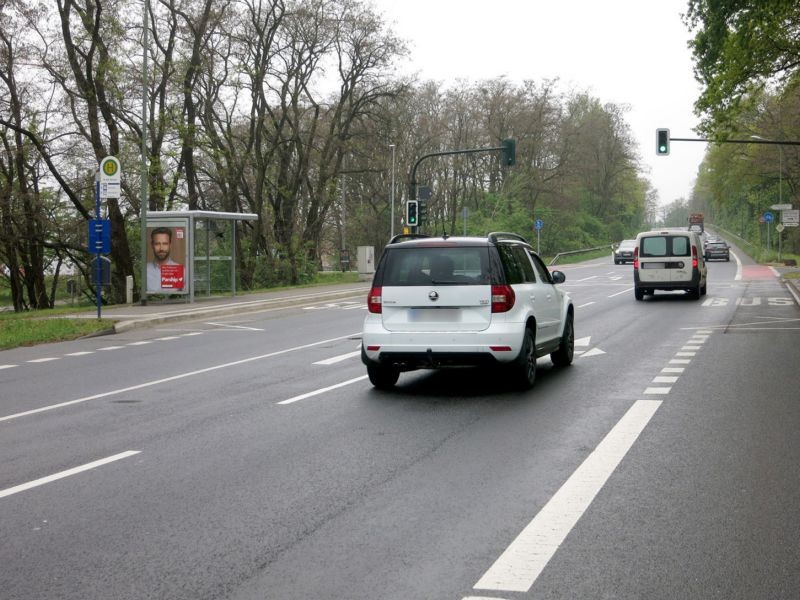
656,246
461,265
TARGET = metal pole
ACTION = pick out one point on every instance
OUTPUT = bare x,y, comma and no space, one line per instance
98,255
391,229
143,166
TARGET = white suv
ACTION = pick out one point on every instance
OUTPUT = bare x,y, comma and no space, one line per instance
458,301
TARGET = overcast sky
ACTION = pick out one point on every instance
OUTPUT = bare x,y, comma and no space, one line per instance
629,52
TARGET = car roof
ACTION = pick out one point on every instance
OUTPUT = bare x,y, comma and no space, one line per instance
444,241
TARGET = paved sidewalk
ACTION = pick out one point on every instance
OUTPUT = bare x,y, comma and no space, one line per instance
157,312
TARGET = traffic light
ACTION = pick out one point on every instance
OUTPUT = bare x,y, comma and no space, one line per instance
422,211
412,216
508,152
662,142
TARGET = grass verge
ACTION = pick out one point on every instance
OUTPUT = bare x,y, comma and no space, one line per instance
29,329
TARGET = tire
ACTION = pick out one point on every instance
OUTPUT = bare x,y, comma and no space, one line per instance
382,377
639,293
694,293
566,350
523,369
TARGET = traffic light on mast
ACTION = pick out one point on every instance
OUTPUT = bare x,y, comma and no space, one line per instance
662,142
412,213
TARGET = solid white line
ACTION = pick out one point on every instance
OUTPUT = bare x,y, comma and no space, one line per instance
234,326
173,378
67,473
661,391
41,360
322,390
336,359
79,353
627,291
519,566
587,304
7,366
142,343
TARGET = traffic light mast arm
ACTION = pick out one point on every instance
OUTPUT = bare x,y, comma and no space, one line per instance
412,192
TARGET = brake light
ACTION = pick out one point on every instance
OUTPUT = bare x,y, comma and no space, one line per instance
375,301
636,258
694,256
503,298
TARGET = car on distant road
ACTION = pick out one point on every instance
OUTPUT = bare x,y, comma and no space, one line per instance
445,301
718,250
623,252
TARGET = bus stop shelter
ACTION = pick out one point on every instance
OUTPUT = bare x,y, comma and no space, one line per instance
191,253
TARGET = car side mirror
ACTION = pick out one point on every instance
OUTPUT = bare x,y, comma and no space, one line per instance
558,276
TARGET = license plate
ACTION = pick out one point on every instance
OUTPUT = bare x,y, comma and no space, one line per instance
429,315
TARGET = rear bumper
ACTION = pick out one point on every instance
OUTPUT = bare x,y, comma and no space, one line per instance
667,285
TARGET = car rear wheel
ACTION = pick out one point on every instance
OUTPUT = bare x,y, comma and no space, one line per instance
639,293
383,377
563,356
524,367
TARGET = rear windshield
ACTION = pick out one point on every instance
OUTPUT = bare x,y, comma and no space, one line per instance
717,245
461,265
665,245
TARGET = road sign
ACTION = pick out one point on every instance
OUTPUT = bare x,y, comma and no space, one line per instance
110,177
790,218
768,217
781,207
99,236
538,224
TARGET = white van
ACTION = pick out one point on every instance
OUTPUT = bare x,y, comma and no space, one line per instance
669,260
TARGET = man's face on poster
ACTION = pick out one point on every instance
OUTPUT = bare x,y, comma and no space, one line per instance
160,243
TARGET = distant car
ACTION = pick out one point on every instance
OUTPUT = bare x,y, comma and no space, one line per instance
445,301
624,252
669,260
718,250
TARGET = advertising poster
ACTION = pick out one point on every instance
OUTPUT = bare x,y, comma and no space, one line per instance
166,259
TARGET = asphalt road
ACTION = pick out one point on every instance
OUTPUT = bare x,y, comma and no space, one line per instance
248,457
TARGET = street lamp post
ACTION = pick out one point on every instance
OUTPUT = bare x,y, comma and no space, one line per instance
391,229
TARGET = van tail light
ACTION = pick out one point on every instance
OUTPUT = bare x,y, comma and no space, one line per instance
503,298
694,256
636,258
375,301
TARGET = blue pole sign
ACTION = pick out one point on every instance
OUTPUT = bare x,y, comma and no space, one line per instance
768,217
539,224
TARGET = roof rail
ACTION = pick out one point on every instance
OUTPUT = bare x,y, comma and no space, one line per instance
496,236
404,237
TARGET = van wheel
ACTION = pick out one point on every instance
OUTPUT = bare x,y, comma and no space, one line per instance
566,350
524,366
382,377
639,293
694,293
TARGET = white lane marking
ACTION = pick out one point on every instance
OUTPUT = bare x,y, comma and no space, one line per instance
67,473
110,348
336,359
42,360
704,331
686,354
626,291
84,353
167,338
738,275
191,333
587,304
691,348
482,598
673,370
142,343
592,352
584,341
520,565
658,391
173,378
664,379
679,361
362,305
322,390
235,326
7,367
586,278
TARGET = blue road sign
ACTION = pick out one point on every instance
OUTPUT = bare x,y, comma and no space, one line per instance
99,236
768,217
539,224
